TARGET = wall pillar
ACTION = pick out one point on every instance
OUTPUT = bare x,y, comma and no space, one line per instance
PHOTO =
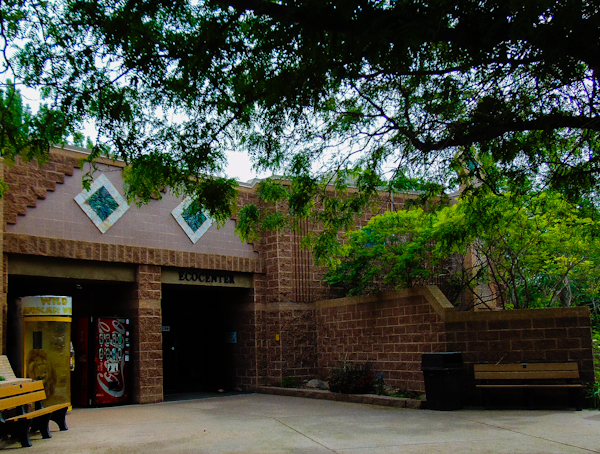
146,335
3,273
3,298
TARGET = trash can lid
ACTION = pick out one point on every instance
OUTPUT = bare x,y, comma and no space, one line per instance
441,360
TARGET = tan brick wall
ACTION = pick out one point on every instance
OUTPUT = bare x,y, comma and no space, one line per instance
146,322
294,353
57,215
245,352
3,276
392,330
528,335
29,182
84,250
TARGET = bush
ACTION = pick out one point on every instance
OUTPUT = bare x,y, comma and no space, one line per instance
355,378
403,393
289,381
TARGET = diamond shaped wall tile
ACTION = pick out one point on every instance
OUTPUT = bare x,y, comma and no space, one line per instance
193,222
102,203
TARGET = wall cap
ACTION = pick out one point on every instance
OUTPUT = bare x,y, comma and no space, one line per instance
448,313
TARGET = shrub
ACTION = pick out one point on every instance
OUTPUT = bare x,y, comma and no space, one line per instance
355,378
406,394
289,381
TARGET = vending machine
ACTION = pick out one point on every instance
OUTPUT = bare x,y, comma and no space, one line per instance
102,361
46,344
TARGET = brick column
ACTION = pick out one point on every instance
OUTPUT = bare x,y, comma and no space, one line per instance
3,274
3,299
274,288
146,321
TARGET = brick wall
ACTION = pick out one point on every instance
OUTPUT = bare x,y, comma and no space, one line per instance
528,335
146,320
390,329
245,353
57,215
393,329
29,182
286,342
3,277
117,253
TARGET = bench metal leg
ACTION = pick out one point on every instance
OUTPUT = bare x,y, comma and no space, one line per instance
528,398
3,429
42,423
21,431
576,399
60,418
485,396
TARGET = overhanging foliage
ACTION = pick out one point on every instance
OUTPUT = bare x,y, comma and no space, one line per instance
414,94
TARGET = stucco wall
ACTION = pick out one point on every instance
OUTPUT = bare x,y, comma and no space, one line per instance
57,215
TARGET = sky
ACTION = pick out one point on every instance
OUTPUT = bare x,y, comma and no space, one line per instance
240,167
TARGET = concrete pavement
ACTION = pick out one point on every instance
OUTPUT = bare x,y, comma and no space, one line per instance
258,423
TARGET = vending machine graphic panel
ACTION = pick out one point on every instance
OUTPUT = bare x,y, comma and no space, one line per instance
102,352
111,356
47,356
46,344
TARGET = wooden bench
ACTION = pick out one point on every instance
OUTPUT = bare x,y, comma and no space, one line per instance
21,395
530,376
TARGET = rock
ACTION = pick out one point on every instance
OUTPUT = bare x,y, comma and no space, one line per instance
315,383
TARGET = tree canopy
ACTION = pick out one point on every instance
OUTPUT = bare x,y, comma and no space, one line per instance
493,250
407,94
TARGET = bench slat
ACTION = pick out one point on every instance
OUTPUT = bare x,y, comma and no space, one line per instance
21,388
36,413
525,375
558,385
17,401
525,366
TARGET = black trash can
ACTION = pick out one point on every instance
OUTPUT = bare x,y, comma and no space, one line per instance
443,374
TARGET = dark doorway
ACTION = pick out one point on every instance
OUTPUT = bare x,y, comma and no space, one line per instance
198,348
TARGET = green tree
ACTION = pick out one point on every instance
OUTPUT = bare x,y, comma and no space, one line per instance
399,92
513,251
24,134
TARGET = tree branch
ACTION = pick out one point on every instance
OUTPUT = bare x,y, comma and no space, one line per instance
490,131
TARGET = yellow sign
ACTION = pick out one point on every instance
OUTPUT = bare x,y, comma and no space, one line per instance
47,305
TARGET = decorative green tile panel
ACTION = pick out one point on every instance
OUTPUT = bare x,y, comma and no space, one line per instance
102,203
194,222
193,217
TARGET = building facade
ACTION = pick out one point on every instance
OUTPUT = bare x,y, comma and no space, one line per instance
207,311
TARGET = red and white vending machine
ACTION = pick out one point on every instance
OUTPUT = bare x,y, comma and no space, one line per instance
102,353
